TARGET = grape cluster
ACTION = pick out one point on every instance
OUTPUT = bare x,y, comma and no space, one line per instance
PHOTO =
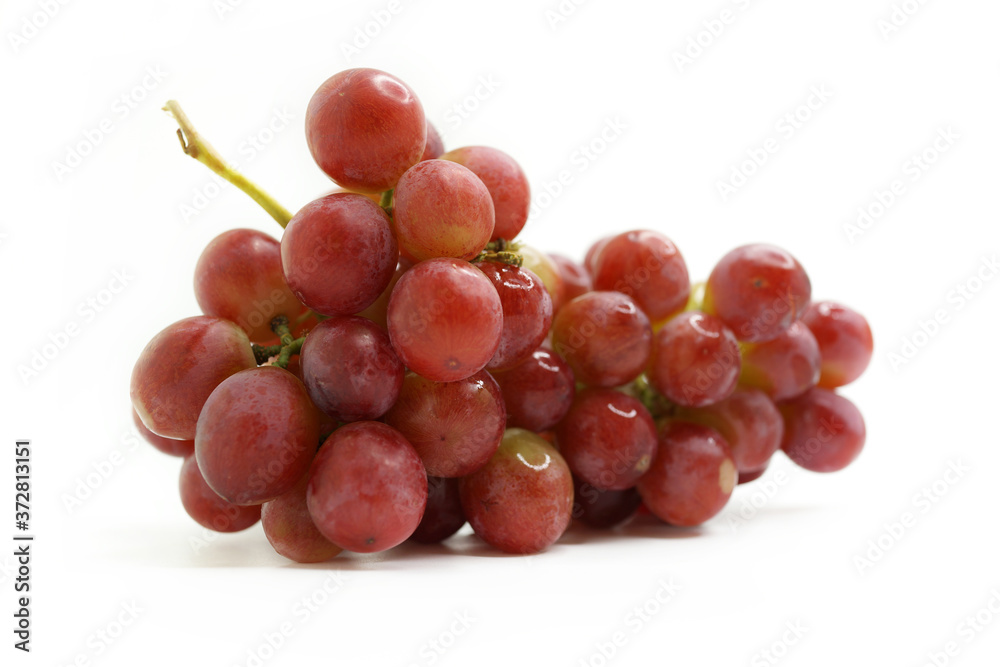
398,364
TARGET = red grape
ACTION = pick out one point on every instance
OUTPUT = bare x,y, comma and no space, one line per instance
365,128
454,426
824,432
338,254
539,392
206,507
647,266
180,367
844,339
527,312
604,337
593,254
546,269
367,488
441,209
575,279
256,435
601,508
695,360
785,366
238,277
378,312
507,184
350,368
691,478
608,439
443,516
758,291
433,147
445,319
291,531
521,501
182,448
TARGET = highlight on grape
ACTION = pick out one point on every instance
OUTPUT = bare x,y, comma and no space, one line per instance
399,363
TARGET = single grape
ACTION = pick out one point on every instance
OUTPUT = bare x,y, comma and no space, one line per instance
445,319
256,435
748,421
648,267
691,478
604,337
601,508
824,432
378,312
338,254
521,501
443,516
507,184
238,278
758,291
206,507
593,254
782,367
350,369
539,392
695,360
180,367
290,529
844,339
434,147
608,439
365,128
454,426
575,279
441,209
367,488
527,312
547,270
181,448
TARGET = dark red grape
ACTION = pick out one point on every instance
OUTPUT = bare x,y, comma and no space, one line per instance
443,516
539,392
180,367
844,339
601,508
758,291
527,312
445,319
824,432
521,501
350,369
367,488
441,209
604,337
256,435
785,366
365,128
691,478
507,184
182,448
338,253
291,531
608,439
206,507
454,426
695,360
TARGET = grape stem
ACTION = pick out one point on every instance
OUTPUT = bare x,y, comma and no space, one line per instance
501,251
195,146
386,201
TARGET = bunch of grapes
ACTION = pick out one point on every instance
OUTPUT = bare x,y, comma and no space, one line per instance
399,364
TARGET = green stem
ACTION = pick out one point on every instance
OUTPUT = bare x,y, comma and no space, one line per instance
195,146
386,201
279,325
261,353
294,347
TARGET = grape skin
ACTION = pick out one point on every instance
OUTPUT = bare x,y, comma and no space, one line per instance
443,516
785,366
824,432
206,506
527,312
695,360
506,182
290,529
844,339
539,392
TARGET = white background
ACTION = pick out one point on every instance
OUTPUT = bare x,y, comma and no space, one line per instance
555,86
